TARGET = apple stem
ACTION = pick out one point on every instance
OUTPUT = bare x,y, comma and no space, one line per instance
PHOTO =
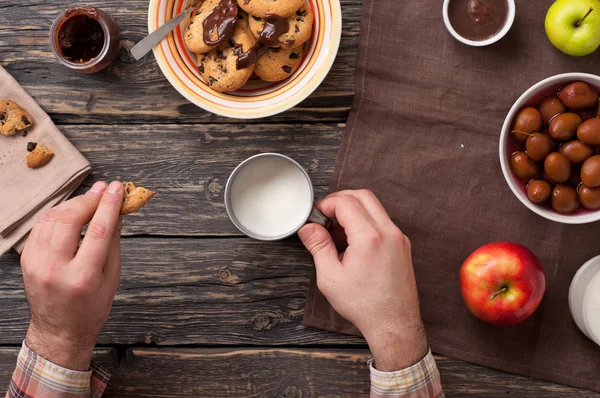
499,292
584,17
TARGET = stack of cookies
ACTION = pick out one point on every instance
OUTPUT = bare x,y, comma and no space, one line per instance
233,40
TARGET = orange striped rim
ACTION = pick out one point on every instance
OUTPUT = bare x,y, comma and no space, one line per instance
316,44
287,85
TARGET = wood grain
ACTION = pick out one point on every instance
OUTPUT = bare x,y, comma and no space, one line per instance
129,91
267,372
106,357
272,372
195,291
242,373
188,165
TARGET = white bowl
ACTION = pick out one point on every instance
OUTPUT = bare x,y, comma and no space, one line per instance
256,99
480,43
533,97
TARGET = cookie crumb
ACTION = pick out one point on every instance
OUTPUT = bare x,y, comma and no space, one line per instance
38,156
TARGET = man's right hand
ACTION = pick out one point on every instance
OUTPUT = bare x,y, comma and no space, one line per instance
371,284
70,288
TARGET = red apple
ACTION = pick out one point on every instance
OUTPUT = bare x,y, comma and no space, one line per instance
502,283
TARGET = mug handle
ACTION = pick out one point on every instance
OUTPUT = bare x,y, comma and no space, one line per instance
319,218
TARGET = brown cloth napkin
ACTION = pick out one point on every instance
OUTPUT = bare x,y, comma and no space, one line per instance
26,193
423,135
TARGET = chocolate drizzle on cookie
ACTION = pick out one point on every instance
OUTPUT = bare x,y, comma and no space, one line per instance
275,26
222,21
248,58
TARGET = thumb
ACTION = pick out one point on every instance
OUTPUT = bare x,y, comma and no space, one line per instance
319,243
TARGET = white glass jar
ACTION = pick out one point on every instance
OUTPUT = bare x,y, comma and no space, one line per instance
584,299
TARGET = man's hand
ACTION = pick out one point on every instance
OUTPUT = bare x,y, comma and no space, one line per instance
70,290
372,283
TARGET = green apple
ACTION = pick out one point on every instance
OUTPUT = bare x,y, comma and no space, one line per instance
573,26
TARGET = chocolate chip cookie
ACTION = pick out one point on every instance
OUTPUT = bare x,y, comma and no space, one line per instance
194,33
278,63
135,198
260,8
218,67
37,155
13,118
301,24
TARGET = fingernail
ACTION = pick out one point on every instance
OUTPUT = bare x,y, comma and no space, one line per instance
98,187
114,187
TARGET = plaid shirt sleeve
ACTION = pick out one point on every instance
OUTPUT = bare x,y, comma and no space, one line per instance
422,380
35,377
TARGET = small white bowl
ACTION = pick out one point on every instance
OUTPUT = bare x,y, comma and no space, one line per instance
533,97
480,43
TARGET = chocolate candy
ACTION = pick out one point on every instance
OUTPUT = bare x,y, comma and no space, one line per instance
564,127
526,122
550,107
565,199
524,168
590,172
589,197
557,167
589,132
539,191
578,95
576,151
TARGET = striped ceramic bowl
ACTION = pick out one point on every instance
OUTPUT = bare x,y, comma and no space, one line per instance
257,98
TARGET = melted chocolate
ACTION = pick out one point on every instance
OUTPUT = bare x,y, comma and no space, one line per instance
245,59
478,19
221,20
81,38
275,26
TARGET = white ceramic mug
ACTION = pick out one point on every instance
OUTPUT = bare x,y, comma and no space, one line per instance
270,197
584,299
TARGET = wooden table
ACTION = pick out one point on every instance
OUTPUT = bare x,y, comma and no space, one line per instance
201,310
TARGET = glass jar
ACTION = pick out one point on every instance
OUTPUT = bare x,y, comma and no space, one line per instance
85,39
584,299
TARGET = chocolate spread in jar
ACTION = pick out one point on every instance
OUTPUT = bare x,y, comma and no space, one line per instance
81,37
221,21
478,20
275,26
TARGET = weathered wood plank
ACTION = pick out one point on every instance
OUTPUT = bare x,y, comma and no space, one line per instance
231,291
106,357
299,373
463,379
242,373
133,92
188,165
265,372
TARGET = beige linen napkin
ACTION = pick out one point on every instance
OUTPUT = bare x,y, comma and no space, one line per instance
26,193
